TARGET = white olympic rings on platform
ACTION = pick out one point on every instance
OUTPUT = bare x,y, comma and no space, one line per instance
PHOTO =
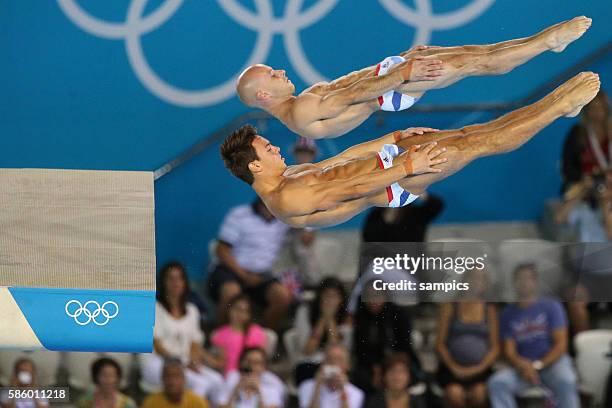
264,23
91,314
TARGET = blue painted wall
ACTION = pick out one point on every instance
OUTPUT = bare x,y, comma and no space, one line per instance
74,95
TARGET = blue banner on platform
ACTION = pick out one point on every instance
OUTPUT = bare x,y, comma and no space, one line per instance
89,320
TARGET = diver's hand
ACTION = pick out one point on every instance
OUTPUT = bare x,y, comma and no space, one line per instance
422,159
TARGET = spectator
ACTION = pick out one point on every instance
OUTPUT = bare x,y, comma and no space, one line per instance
396,379
174,394
253,386
404,224
587,209
587,150
106,375
391,275
239,333
468,345
380,328
322,322
534,335
305,150
249,242
302,240
388,225
177,334
24,376
331,388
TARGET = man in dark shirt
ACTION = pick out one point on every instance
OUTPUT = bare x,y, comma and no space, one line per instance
404,224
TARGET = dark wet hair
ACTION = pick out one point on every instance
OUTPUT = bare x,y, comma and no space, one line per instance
237,152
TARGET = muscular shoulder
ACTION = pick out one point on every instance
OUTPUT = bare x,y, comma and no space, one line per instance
320,88
305,114
301,168
290,200
304,101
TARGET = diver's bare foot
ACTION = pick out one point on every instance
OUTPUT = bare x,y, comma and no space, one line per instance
563,34
568,85
584,91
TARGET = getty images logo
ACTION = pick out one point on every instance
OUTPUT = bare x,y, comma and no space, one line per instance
92,312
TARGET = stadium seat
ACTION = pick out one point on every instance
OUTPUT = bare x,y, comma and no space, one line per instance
79,369
485,231
292,347
593,361
47,365
327,246
271,342
534,396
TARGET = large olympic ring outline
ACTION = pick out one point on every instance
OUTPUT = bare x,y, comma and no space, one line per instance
264,23
82,309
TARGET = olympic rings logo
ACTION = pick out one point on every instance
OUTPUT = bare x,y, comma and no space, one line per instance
265,24
91,311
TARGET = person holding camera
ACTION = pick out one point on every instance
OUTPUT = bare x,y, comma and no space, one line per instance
331,388
588,208
252,386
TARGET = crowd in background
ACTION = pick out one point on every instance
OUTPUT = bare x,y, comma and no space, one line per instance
354,347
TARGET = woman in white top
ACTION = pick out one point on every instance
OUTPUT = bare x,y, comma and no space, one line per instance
177,334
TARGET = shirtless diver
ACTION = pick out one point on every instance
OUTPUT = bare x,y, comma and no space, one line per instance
331,109
392,170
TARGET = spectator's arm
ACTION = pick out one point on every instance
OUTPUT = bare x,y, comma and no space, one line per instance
314,340
200,355
344,400
219,347
316,395
562,215
559,347
444,320
493,354
225,255
231,402
513,356
159,348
